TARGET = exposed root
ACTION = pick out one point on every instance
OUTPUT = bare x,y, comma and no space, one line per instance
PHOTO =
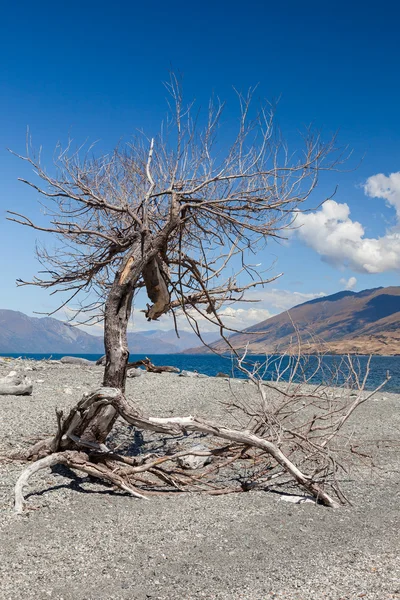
43,463
276,449
73,460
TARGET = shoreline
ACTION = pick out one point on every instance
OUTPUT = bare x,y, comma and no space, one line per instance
210,368
86,541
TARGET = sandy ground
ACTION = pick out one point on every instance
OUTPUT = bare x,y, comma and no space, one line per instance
87,542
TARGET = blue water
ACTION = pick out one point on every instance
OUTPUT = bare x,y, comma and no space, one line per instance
212,364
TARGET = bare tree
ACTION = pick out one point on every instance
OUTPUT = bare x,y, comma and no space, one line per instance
173,214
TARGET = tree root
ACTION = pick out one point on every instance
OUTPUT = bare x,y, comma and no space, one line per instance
72,447
73,460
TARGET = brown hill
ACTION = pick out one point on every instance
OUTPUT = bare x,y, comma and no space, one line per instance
366,322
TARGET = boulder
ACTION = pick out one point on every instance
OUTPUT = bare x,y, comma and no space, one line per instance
75,360
222,375
135,372
15,384
184,373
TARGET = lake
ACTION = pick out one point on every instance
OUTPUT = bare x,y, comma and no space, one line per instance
212,364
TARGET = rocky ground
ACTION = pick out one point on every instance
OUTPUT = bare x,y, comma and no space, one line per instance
81,540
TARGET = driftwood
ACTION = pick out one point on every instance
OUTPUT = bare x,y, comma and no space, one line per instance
288,440
73,429
148,365
15,384
144,362
76,460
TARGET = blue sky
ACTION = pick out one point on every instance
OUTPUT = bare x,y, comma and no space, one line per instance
94,70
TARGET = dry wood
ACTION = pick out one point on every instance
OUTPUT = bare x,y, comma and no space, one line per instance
74,460
146,362
179,425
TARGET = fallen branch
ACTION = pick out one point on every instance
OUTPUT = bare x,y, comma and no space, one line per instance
150,368
181,425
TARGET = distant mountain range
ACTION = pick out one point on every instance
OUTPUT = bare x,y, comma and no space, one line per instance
366,322
20,333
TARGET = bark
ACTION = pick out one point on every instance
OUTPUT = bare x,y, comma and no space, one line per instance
116,317
157,289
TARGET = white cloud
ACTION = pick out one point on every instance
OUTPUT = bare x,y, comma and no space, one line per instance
387,188
232,316
341,241
282,299
271,302
349,284
239,318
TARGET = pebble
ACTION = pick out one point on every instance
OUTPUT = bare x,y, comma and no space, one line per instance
84,541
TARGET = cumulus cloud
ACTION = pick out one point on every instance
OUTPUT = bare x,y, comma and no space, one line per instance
239,318
278,300
342,242
385,187
349,284
242,315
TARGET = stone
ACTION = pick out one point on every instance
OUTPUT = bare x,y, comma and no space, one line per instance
194,462
75,360
135,372
184,373
15,384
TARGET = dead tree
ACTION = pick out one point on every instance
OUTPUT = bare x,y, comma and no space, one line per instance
168,214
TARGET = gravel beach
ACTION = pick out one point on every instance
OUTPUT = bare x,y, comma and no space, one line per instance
88,542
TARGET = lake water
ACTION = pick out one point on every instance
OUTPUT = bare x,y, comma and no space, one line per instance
212,364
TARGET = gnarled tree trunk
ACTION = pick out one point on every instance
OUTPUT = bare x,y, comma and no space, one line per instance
91,430
116,317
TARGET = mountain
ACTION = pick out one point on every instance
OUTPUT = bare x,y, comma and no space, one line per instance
187,339
366,322
20,333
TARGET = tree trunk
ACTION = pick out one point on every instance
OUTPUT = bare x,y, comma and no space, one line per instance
116,317
92,430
